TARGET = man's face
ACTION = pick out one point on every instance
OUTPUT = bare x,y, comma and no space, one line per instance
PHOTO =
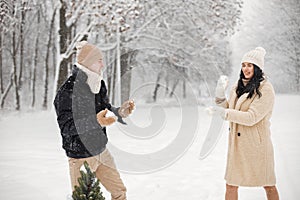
97,66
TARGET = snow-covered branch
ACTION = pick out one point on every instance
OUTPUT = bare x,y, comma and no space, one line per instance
145,25
76,14
78,37
167,44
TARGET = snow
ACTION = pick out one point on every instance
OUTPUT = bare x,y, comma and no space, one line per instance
34,166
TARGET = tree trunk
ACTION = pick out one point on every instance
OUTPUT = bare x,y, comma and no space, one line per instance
157,85
63,43
117,98
297,68
113,81
174,87
1,66
298,76
54,55
33,73
15,77
35,61
108,71
63,73
46,72
184,89
22,40
71,58
167,85
126,74
5,93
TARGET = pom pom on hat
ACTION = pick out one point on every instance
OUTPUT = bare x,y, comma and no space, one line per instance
262,50
256,57
87,54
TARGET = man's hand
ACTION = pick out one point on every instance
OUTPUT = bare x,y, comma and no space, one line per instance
126,108
103,120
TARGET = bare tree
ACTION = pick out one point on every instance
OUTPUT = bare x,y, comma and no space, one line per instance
1,59
22,41
190,31
119,28
6,18
110,15
35,62
157,85
63,42
67,20
14,66
46,68
3,12
14,24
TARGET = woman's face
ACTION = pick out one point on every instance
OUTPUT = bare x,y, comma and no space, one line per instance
248,70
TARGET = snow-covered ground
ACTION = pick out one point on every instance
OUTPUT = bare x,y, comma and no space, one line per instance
34,166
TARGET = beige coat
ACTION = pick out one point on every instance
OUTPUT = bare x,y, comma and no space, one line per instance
250,159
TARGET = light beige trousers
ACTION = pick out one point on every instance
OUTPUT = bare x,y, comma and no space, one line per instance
106,172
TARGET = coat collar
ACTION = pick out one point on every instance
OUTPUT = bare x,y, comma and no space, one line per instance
243,98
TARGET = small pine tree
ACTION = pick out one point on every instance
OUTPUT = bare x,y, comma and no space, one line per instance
89,188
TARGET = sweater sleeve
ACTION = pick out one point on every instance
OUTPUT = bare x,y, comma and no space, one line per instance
104,102
221,102
64,113
116,112
258,109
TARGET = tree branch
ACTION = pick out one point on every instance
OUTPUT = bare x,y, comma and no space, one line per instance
77,38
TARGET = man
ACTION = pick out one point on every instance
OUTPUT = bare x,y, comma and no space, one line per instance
81,106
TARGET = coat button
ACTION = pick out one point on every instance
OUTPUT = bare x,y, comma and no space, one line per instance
238,134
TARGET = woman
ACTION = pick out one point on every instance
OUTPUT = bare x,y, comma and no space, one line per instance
250,159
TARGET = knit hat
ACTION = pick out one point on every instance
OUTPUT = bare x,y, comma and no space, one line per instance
87,54
256,57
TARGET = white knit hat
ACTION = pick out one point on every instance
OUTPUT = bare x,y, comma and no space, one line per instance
256,57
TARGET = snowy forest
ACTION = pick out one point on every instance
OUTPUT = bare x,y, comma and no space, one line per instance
166,55
165,43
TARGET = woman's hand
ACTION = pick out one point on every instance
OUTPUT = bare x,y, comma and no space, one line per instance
216,110
221,87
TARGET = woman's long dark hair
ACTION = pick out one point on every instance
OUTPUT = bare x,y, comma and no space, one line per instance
252,85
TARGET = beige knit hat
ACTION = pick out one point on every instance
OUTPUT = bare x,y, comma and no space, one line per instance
256,57
87,54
